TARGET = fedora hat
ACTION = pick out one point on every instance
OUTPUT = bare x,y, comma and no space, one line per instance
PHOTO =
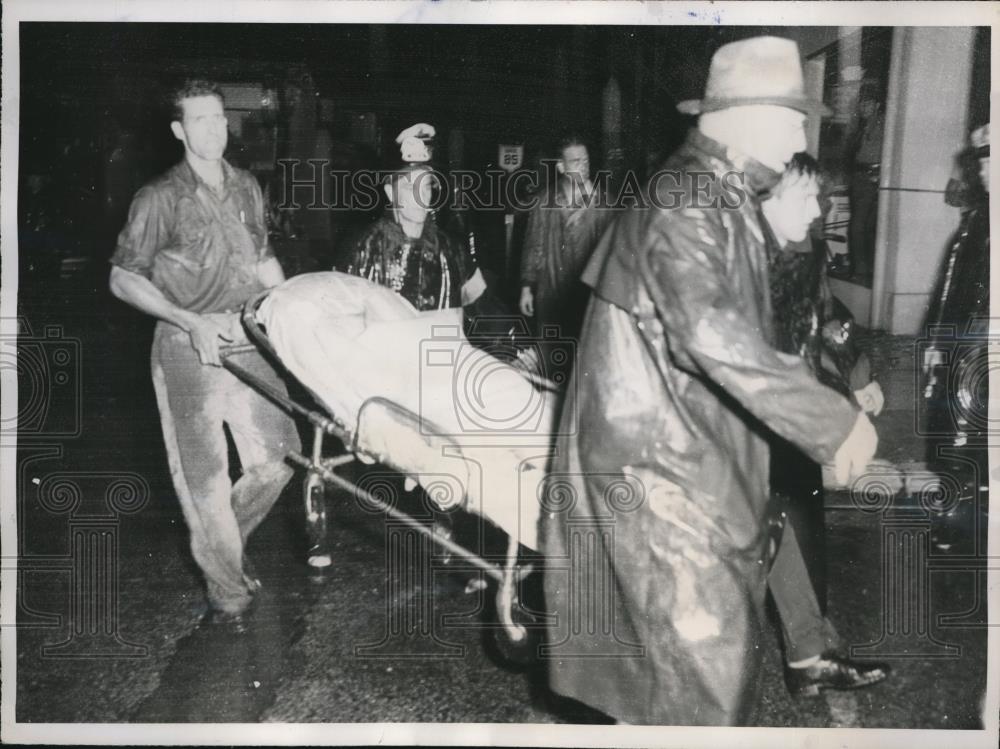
760,70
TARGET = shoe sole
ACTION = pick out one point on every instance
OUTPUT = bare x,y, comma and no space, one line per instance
814,690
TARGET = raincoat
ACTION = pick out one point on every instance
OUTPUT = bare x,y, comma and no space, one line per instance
559,240
657,521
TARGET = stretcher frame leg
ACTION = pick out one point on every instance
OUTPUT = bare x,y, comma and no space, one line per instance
315,506
319,471
507,595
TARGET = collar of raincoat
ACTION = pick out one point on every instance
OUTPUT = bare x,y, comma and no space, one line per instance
759,178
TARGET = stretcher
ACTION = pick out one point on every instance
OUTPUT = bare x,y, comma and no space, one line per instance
379,424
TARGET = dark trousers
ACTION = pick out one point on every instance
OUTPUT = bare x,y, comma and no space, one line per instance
805,630
797,580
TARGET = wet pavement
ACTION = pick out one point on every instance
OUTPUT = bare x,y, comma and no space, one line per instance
110,600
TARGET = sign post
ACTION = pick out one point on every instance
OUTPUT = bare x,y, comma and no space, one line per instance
510,158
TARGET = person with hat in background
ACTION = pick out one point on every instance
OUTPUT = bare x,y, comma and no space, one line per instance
964,289
405,249
959,312
659,528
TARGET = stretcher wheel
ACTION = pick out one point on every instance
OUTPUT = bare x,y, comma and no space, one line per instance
315,501
518,638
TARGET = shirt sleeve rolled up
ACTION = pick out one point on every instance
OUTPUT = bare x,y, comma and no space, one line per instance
144,234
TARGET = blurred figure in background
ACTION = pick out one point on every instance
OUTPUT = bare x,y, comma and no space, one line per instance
562,232
864,156
958,325
963,291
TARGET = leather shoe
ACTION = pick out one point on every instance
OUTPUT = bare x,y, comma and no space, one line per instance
832,671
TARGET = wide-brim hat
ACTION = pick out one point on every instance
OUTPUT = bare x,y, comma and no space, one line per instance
760,70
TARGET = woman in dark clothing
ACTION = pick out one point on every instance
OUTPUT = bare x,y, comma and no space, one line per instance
405,249
425,266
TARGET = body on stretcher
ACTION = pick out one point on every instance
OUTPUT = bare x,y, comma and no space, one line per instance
407,389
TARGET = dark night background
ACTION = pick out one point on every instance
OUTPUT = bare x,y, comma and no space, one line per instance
94,126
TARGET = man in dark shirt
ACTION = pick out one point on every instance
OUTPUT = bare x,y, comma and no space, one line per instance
800,296
193,250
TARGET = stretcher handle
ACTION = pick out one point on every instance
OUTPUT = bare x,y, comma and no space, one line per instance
253,328
538,381
281,399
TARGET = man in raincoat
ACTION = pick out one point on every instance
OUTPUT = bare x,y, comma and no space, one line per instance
658,524
563,230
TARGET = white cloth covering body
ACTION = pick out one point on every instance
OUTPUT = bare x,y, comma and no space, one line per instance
481,430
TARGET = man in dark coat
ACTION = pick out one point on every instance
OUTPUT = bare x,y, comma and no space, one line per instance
563,230
658,525
958,323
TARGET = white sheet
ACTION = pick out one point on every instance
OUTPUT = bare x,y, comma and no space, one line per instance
349,340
